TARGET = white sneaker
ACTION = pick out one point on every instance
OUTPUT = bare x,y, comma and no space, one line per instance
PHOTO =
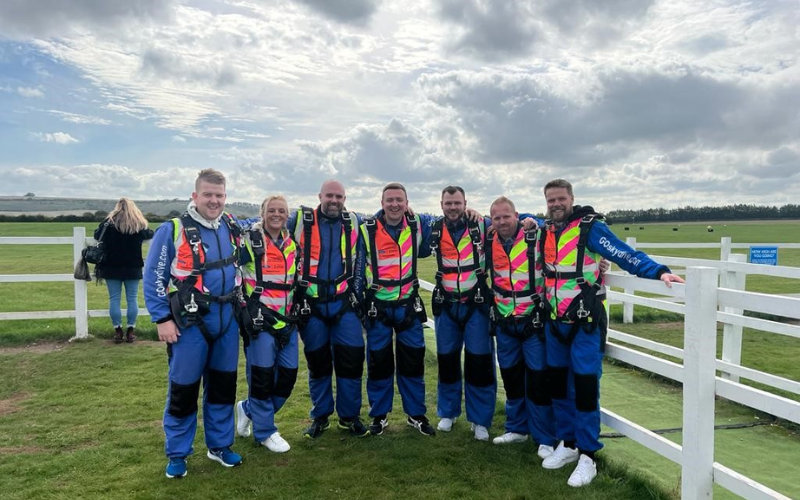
242,422
446,424
276,443
510,437
584,473
481,432
560,457
544,451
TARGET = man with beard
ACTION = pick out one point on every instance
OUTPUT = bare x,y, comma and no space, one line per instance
328,309
191,282
572,242
460,308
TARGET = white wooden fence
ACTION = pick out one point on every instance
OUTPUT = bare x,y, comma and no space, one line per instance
705,303
81,312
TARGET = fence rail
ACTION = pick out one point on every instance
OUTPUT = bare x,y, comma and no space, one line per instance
714,293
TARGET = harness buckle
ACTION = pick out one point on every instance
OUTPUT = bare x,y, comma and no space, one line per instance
417,305
308,216
258,321
581,313
306,309
537,322
258,290
438,297
580,280
191,307
373,311
478,299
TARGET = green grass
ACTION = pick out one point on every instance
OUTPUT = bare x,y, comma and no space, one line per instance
83,421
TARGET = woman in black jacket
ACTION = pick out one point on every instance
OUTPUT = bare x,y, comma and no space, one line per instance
126,230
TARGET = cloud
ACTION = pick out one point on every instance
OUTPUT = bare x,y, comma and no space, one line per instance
79,119
56,137
30,92
178,139
45,18
489,29
527,117
344,11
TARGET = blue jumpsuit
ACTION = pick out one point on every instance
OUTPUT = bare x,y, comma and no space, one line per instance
410,348
523,363
193,357
575,368
330,345
271,371
480,381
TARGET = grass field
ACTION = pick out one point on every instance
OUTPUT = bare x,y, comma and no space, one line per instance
71,412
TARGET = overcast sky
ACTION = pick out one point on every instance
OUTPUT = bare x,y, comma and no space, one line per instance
640,103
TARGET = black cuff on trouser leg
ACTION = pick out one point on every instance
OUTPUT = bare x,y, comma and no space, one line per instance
558,377
286,380
587,392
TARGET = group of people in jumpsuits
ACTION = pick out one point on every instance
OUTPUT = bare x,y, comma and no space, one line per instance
534,287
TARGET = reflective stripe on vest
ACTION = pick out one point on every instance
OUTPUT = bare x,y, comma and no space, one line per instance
394,260
278,265
457,257
182,265
560,255
510,273
315,247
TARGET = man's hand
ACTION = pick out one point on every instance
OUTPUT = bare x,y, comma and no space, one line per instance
168,332
529,223
604,266
668,279
473,215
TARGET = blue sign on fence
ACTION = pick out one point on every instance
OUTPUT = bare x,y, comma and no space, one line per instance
764,255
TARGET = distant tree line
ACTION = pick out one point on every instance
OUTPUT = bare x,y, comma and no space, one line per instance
688,213
97,216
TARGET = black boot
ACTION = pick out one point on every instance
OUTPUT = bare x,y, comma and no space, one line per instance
129,336
118,335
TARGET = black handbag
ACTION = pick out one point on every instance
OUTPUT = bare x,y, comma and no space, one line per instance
96,254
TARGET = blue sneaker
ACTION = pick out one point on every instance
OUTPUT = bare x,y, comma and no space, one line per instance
176,468
225,456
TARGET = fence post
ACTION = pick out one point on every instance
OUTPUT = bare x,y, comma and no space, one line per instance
81,300
724,248
732,334
699,355
627,307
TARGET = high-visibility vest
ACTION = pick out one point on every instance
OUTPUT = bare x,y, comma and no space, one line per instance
391,269
271,272
570,268
516,275
460,265
189,264
307,235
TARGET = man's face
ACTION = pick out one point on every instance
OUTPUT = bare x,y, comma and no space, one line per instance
332,198
453,205
504,220
559,204
394,205
210,200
